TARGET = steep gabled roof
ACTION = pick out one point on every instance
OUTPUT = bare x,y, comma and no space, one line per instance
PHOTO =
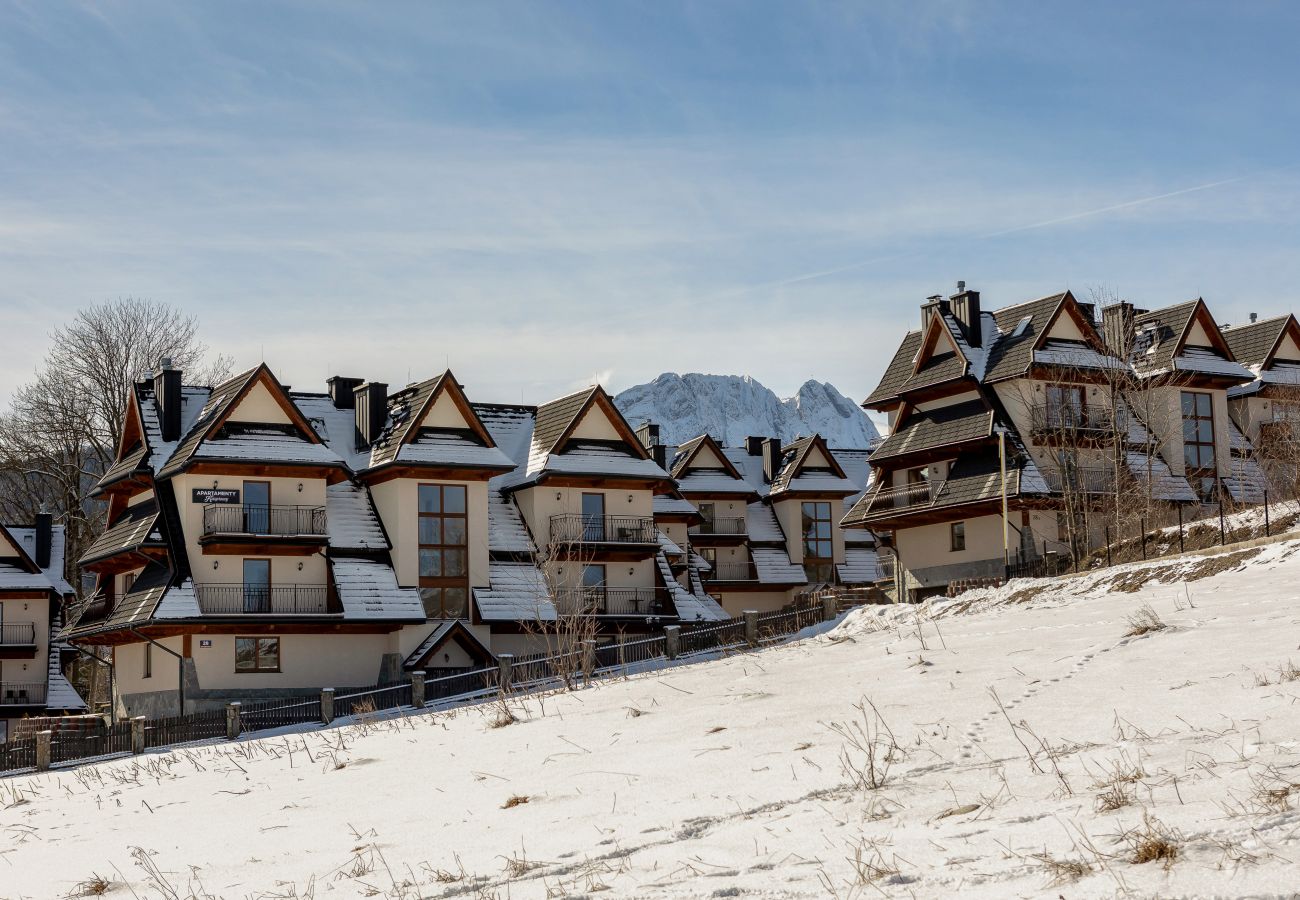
1021,328
897,372
408,409
795,457
915,431
934,366
1255,344
13,554
1164,330
687,452
556,423
223,400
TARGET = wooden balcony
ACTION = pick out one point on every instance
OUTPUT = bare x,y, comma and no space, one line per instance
288,600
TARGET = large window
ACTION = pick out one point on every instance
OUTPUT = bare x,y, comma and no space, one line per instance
818,555
1065,405
444,557
257,654
1198,442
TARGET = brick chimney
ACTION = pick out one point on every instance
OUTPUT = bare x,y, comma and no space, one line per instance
648,434
167,397
371,403
771,458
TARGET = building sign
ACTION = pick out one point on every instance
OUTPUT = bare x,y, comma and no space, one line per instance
216,495
205,642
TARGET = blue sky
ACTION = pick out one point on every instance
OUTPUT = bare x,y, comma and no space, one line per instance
545,193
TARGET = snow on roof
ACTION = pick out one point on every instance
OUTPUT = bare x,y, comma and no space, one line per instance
58,541
1165,485
774,567
665,505
1247,483
179,602
352,522
668,546
859,566
750,466
590,459
518,593
811,480
193,400
451,449
761,523
367,589
713,481
14,578
59,692
1073,354
507,532
691,607
266,444
1206,361
336,427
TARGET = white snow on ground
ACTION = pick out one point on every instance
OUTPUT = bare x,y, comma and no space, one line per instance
735,777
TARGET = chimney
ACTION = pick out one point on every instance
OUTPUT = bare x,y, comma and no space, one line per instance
1253,317
754,445
371,403
167,396
935,301
44,539
648,435
341,391
1117,328
966,307
771,458
1089,311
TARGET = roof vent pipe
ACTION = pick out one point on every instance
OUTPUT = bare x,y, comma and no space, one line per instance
1253,317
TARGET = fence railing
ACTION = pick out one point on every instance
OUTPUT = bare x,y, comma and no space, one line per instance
278,521
921,493
1048,418
733,571
1083,480
17,634
580,529
273,600
22,693
612,601
725,525
584,661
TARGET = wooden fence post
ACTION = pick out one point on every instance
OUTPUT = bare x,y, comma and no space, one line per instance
42,751
751,626
326,705
232,721
417,689
505,671
137,735
672,641
588,659
830,607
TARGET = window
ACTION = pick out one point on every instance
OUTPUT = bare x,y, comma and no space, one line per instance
957,536
128,580
444,557
818,555
706,510
593,517
148,660
257,654
1198,442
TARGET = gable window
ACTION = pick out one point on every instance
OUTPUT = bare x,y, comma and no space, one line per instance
1198,442
818,553
257,654
443,549
957,536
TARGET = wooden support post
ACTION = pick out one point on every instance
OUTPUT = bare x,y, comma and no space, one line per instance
42,751
751,626
232,721
326,705
137,735
417,690
588,659
672,641
830,607
506,673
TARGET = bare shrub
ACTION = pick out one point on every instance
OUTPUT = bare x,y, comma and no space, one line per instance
1152,842
1145,621
516,800
1062,871
869,747
869,863
94,886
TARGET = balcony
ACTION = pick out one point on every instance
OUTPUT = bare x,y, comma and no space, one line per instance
1067,423
580,529
17,693
264,521
613,602
728,526
17,640
260,600
922,493
733,571
886,567
1080,481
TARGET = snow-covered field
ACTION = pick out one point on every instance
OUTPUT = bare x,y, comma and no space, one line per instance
1014,743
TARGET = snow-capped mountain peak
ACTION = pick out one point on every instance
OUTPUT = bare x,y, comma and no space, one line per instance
733,407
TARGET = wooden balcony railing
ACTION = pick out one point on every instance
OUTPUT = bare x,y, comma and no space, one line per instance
579,529
920,494
722,525
260,600
18,634
279,521
612,601
18,693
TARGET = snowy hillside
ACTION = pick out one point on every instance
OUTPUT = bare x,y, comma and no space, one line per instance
1130,732
732,407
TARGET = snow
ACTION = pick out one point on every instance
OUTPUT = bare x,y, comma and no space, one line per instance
452,450
336,427
764,806
54,571
820,481
773,566
859,566
712,481
506,530
1198,359
668,545
761,523
270,445
669,506
368,589
691,607
732,407
351,520
518,593
1073,355
601,464
193,401
179,602
14,578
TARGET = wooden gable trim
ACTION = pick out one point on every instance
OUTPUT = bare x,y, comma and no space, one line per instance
332,473
819,442
426,471
132,428
1211,328
1292,328
599,396
717,450
462,636
1070,305
928,340
263,375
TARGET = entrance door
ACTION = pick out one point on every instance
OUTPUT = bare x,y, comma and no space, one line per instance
257,585
593,588
257,507
593,517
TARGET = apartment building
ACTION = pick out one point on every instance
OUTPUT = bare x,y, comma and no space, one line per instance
33,594
1266,410
263,541
1007,427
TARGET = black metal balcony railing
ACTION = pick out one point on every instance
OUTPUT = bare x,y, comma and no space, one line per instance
611,601
886,566
722,525
1047,418
17,693
579,529
276,600
733,571
17,634
1080,481
281,521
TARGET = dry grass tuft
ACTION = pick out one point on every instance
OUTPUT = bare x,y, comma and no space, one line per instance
1151,842
1116,796
501,717
94,886
516,800
1062,871
869,863
1144,621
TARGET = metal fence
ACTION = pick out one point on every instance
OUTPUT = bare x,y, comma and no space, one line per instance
586,660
